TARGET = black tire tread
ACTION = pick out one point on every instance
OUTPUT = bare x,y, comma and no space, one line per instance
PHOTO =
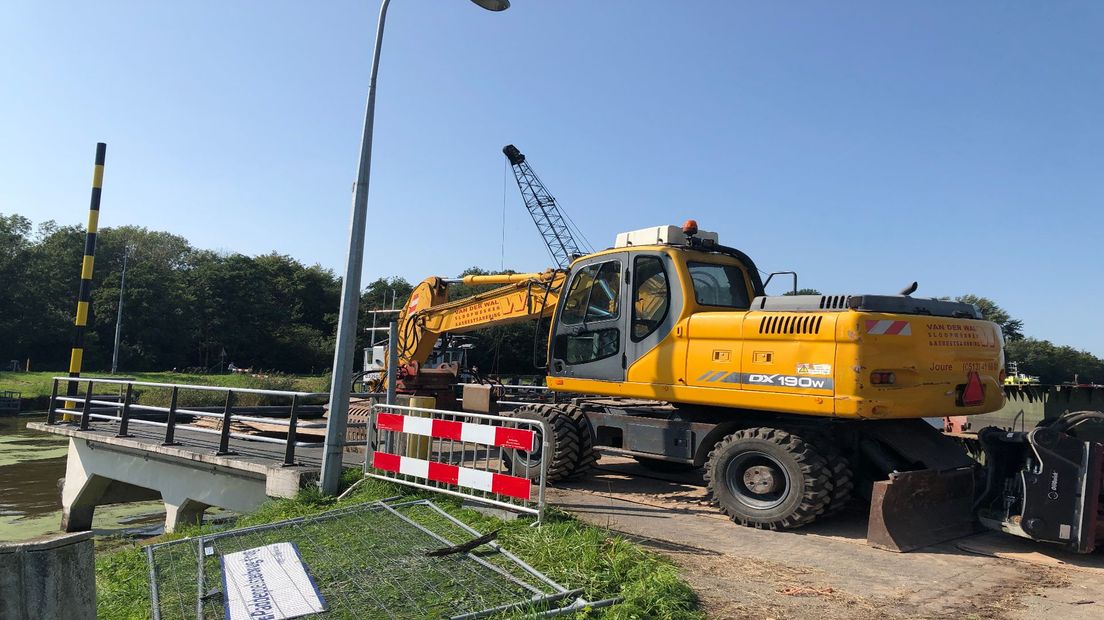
587,460
841,478
815,494
564,441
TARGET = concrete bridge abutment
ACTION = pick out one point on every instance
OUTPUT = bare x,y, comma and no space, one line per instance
107,470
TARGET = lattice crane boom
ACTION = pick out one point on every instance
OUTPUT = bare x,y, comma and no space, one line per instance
550,221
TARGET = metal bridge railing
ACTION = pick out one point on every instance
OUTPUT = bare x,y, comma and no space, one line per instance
123,410
481,457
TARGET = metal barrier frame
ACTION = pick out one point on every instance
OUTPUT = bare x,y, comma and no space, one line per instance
395,442
125,408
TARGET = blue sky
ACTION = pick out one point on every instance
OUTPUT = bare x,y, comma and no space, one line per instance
863,144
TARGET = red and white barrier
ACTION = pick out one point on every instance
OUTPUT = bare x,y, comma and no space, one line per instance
501,484
497,436
465,454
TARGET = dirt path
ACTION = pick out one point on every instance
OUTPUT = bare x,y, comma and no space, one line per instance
826,571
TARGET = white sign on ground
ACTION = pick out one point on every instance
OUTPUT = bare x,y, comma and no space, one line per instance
269,583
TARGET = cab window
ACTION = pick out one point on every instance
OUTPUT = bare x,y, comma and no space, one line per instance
589,346
719,285
651,296
594,294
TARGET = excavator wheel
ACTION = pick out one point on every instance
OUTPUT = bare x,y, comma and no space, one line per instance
840,476
768,478
588,456
564,441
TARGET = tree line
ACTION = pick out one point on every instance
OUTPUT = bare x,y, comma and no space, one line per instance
189,308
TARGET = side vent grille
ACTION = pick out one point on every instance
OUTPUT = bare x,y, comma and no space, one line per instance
790,324
834,302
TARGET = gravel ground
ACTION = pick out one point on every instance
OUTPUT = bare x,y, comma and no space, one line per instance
825,570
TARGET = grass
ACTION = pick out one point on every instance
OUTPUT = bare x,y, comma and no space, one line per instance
568,551
38,384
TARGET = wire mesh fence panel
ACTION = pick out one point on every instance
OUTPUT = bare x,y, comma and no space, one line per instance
368,561
175,568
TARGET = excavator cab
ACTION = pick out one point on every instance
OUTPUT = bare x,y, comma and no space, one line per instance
620,304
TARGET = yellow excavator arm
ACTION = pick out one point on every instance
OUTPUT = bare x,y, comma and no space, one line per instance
429,313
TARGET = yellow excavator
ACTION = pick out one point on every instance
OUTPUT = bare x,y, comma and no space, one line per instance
790,403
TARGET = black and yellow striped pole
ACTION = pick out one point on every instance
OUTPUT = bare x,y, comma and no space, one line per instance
84,297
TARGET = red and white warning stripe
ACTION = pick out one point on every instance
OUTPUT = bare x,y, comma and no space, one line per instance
502,484
485,434
889,328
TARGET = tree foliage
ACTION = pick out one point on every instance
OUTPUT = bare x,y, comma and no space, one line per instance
183,307
191,308
990,311
1055,364
380,294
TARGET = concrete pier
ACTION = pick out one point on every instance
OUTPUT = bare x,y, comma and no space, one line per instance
188,476
50,577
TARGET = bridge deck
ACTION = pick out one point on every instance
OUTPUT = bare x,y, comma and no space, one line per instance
246,454
188,475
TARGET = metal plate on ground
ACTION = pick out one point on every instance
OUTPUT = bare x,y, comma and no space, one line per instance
268,582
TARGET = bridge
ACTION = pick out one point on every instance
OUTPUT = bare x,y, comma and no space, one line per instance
193,447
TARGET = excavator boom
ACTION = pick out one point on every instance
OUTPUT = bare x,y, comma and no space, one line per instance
429,313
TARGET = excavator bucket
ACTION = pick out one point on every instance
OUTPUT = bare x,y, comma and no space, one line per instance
916,509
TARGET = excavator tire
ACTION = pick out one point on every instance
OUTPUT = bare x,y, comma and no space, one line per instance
564,442
588,456
840,476
768,479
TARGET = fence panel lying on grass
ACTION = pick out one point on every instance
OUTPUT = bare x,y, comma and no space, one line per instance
367,561
468,455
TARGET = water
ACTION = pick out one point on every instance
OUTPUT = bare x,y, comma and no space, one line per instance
30,502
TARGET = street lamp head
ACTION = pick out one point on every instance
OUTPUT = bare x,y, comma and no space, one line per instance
493,5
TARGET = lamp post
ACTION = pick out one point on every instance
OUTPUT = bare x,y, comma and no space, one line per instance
350,286
119,317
